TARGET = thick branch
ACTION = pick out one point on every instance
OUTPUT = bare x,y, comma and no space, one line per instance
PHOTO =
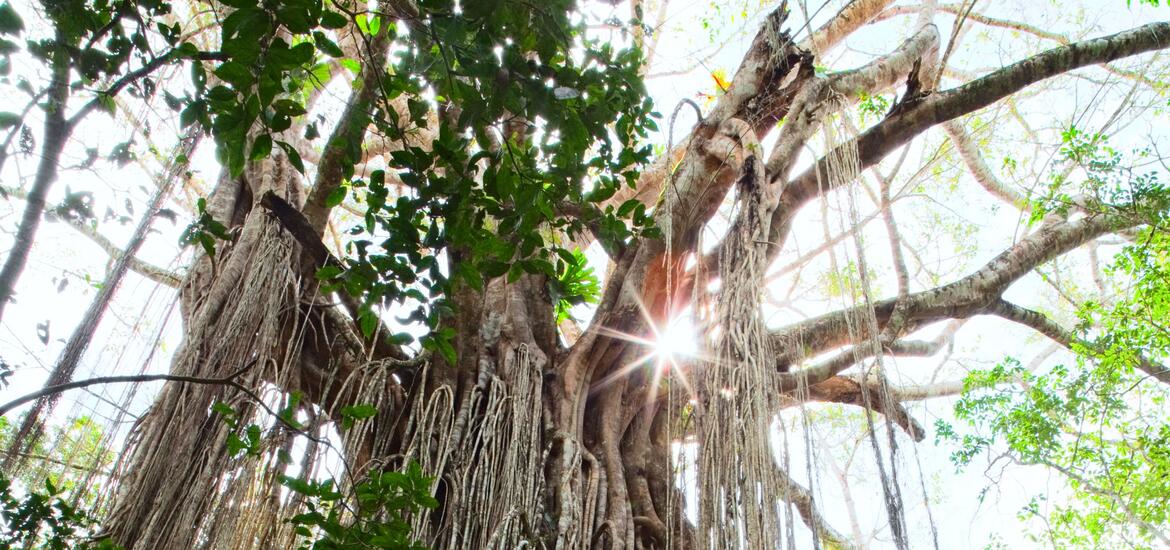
957,9
57,131
305,234
848,390
343,149
875,143
852,17
968,296
802,499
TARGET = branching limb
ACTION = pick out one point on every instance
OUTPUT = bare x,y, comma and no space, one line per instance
852,17
848,390
802,499
1019,26
878,141
153,272
968,296
820,372
305,234
1041,323
979,169
343,149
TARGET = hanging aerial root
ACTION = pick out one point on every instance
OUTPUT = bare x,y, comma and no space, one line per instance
179,481
738,478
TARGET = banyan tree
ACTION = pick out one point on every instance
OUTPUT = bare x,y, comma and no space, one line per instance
441,242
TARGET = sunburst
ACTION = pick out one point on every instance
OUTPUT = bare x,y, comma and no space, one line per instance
668,347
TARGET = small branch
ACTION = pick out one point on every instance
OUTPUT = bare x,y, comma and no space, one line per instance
979,169
229,380
1040,323
802,499
153,272
131,378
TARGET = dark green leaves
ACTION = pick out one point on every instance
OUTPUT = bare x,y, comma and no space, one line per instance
235,73
333,20
262,147
10,21
205,230
8,120
385,500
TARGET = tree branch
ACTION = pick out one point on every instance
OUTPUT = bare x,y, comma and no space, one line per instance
802,499
848,390
876,142
979,169
957,9
299,227
968,296
1041,323
343,149
153,272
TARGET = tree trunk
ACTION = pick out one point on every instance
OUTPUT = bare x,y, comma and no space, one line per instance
530,441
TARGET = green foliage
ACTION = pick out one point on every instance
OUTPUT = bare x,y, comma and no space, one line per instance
375,514
1109,184
244,439
530,119
44,520
385,501
872,106
1092,421
205,230
575,284
65,456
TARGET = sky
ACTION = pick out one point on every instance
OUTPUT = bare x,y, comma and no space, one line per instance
952,225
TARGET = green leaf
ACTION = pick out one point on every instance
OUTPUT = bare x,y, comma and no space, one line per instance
369,23
368,322
359,412
288,107
328,272
400,339
327,46
223,409
10,22
335,196
262,147
235,73
294,157
8,119
333,20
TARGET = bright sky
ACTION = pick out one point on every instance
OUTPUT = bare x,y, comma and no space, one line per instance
946,218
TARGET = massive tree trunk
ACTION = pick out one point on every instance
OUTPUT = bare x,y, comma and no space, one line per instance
530,440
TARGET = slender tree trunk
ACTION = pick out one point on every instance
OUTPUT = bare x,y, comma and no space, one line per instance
30,426
57,130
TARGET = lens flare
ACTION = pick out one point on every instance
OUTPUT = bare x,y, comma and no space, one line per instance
678,340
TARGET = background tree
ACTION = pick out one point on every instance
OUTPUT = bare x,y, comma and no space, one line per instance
470,152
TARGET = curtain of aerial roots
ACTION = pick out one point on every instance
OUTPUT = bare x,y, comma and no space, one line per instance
845,163
485,451
179,487
739,485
